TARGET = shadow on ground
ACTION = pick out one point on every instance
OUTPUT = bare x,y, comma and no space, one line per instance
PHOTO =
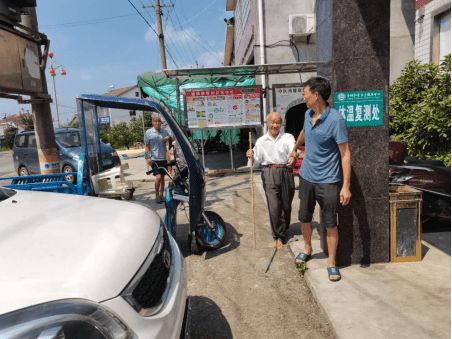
206,320
437,233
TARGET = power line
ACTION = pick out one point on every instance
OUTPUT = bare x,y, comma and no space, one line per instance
186,47
193,36
167,50
185,51
200,12
88,22
139,13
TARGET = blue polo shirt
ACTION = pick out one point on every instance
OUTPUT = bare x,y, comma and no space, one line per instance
154,140
322,164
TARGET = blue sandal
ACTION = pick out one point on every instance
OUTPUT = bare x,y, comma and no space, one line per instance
333,271
302,257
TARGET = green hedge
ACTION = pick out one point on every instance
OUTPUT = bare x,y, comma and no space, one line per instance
419,110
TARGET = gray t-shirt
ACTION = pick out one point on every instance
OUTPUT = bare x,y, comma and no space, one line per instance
154,140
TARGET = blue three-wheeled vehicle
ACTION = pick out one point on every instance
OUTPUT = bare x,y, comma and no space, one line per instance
188,185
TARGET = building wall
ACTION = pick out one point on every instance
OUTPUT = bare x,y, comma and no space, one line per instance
402,22
244,31
119,115
277,42
425,28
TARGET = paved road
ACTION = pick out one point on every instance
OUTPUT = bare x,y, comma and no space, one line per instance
230,293
6,164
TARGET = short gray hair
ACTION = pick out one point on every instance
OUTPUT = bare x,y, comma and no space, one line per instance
274,113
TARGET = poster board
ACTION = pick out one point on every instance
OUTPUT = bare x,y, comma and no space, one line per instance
223,107
286,96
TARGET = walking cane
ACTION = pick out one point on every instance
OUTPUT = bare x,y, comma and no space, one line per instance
252,193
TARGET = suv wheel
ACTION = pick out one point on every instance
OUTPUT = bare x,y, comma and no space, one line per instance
70,177
23,171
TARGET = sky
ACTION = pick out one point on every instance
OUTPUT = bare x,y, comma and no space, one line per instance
106,44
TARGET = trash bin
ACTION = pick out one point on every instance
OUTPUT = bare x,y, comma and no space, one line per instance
405,204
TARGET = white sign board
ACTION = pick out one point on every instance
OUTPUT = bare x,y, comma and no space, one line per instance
223,107
285,97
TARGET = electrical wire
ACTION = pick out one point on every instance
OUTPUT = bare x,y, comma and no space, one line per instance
187,50
145,20
189,46
88,22
152,28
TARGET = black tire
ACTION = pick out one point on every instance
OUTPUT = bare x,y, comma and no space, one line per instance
211,239
69,178
23,171
129,194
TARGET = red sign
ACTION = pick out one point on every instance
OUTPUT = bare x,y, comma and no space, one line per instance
421,3
254,92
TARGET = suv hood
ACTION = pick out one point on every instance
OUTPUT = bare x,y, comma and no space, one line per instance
56,246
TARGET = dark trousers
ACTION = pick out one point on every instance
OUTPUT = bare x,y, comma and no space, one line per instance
279,189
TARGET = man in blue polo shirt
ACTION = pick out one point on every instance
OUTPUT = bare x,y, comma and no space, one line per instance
325,171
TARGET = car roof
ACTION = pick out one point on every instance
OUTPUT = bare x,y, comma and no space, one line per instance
57,130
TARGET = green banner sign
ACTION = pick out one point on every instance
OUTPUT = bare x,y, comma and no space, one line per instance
364,108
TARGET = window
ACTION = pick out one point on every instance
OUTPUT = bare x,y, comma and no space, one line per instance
20,141
441,36
31,140
444,35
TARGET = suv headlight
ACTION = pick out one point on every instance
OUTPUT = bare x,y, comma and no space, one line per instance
71,318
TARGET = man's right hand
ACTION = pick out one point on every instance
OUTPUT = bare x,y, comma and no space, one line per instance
291,162
249,153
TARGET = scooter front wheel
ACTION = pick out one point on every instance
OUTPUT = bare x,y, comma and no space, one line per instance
211,238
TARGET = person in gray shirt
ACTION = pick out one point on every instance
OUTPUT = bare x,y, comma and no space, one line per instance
155,141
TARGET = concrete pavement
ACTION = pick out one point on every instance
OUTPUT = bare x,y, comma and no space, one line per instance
390,300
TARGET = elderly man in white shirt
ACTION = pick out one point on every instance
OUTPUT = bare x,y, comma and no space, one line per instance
273,152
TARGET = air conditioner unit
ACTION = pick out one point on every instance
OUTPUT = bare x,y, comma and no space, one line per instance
301,25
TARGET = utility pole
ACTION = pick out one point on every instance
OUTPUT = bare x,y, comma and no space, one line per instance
158,13
49,161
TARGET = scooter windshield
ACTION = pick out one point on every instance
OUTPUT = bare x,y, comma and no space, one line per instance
196,172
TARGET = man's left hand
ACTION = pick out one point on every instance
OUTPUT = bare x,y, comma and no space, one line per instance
345,196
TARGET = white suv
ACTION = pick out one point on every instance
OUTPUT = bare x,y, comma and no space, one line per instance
82,267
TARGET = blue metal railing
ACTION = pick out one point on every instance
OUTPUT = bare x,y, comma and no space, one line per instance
52,182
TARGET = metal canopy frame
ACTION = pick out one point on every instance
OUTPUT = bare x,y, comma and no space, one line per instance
248,70
243,70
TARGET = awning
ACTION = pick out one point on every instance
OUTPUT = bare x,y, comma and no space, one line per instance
248,70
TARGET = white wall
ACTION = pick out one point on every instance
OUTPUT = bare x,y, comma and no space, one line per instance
119,115
403,14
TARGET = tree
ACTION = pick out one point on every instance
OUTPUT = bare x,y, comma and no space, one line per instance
121,136
10,133
136,128
27,121
419,110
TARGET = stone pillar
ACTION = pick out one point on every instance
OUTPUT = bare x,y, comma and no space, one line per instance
360,62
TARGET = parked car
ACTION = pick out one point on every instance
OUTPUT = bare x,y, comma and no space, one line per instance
25,154
83,267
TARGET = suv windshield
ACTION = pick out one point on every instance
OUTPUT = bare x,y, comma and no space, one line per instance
6,193
68,139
